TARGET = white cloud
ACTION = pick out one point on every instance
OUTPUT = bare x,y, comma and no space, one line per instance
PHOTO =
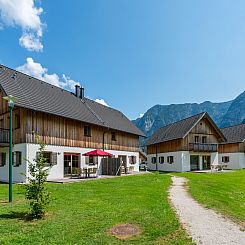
101,101
67,82
141,115
36,70
23,14
30,42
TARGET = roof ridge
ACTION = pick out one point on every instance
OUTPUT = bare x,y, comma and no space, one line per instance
182,120
240,124
38,79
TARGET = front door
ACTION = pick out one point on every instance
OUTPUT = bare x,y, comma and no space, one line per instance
194,161
206,162
71,164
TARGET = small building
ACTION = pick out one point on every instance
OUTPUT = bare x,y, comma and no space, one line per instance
232,152
187,145
67,122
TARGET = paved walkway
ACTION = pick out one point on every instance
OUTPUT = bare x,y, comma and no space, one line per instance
204,225
72,180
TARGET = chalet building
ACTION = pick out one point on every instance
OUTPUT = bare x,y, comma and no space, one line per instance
68,123
232,152
187,145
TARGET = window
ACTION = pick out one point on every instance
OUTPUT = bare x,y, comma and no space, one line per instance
170,159
132,159
113,136
161,160
153,160
196,139
87,131
51,157
17,121
91,160
225,159
2,159
204,139
16,158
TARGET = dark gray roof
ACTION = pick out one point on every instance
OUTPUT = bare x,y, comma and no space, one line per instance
180,129
40,96
234,134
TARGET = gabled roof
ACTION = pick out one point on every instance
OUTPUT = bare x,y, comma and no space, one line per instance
38,95
180,129
234,134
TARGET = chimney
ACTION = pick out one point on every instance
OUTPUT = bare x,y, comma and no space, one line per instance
82,93
77,91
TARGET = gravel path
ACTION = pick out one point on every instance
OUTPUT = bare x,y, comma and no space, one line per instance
204,225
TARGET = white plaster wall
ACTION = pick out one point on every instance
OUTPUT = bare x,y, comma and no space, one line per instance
181,162
57,171
214,158
237,160
18,172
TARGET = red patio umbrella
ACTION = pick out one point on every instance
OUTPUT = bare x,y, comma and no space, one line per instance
98,153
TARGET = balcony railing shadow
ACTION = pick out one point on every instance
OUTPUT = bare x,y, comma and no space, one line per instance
201,147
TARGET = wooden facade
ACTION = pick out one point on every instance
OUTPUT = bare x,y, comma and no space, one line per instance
56,130
203,129
232,147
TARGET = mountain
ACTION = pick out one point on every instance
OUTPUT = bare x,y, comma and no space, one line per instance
236,112
224,114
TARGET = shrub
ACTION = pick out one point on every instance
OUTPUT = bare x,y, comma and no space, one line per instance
36,190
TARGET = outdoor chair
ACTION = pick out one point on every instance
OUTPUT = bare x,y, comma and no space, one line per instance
123,170
131,169
92,172
82,173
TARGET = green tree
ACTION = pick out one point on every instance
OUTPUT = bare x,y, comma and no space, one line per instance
36,191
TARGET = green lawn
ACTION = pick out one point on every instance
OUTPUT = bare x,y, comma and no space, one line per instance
224,192
82,213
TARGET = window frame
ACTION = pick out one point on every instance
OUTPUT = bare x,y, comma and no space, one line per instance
3,163
17,158
52,159
132,159
91,160
153,160
161,159
170,159
16,121
225,159
113,136
204,141
88,134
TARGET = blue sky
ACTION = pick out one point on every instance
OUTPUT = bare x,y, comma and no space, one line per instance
133,53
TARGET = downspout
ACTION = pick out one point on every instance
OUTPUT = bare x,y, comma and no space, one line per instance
103,142
103,146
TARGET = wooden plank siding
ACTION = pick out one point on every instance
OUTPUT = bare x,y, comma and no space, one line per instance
54,130
169,146
203,128
232,147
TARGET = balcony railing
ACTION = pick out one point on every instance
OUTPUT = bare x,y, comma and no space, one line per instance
4,136
203,147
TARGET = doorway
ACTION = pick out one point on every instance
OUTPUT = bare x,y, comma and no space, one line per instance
206,162
123,158
194,161
71,164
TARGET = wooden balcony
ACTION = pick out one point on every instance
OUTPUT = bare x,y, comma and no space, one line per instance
200,147
4,137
